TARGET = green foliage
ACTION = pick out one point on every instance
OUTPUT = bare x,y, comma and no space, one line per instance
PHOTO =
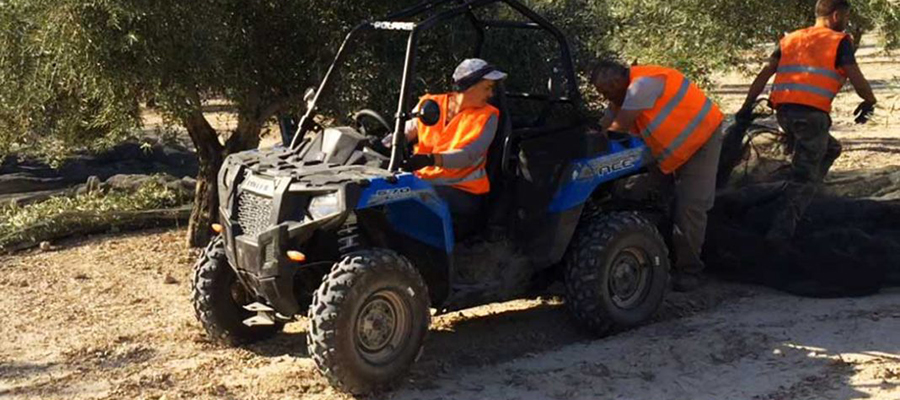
76,73
45,104
64,214
881,15
700,37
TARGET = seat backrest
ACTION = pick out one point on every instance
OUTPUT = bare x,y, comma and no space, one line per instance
504,130
498,199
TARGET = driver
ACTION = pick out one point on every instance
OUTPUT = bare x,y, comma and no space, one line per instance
452,153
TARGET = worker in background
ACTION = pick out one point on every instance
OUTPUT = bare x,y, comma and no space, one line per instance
682,128
810,66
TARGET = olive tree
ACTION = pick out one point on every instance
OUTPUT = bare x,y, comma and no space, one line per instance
77,73
703,36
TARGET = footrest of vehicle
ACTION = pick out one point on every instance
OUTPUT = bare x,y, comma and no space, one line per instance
258,307
260,319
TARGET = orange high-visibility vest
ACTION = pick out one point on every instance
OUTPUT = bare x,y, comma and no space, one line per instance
806,73
680,122
457,133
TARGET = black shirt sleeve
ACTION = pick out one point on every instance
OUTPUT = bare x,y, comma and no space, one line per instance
776,55
845,53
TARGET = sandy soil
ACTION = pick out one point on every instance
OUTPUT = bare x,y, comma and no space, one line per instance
109,317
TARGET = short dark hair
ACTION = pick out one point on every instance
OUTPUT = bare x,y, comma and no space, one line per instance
608,69
825,8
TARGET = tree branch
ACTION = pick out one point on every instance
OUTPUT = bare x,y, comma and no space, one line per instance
203,135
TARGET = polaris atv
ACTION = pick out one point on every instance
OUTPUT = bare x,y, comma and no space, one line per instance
331,227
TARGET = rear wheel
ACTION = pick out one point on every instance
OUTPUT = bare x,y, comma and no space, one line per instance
617,272
368,320
219,299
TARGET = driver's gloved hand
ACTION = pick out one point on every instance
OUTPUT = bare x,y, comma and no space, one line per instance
418,161
387,141
863,112
744,115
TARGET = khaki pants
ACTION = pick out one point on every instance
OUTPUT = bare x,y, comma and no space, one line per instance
695,192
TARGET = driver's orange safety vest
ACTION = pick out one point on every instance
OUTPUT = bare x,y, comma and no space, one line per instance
680,122
806,73
461,130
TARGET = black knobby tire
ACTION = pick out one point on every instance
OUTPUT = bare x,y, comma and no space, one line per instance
368,321
219,297
617,271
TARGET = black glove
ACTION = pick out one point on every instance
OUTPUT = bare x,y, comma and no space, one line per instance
418,161
863,112
744,115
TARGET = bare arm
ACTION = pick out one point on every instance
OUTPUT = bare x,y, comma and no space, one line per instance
859,82
618,120
759,84
641,95
608,117
625,120
412,130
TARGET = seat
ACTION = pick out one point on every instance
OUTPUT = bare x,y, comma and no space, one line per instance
504,130
498,199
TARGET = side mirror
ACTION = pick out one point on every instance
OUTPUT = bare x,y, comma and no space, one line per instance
429,113
308,96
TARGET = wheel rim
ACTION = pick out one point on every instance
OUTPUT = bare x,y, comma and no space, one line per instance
382,325
629,278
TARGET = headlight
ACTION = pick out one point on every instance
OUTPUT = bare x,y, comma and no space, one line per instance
324,205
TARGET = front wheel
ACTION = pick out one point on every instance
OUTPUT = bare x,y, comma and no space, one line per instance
617,272
368,320
219,300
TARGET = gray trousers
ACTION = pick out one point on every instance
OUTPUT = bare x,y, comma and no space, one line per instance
814,152
465,209
694,195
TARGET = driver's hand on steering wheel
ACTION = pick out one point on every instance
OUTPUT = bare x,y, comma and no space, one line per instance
388,141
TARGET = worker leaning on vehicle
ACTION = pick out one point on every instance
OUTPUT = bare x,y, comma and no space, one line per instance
810,66
682,128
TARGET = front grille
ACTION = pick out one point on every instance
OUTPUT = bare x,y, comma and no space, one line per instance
253,212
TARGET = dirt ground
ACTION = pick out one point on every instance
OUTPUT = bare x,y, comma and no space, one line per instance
110,317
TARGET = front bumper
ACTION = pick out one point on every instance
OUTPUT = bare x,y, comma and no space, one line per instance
267,207
256,247
262,266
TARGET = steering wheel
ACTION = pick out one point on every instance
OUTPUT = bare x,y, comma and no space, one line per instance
368,113
373,140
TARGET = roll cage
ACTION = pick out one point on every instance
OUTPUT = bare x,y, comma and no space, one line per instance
431,14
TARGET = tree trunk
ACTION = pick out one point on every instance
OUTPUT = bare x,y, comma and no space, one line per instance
210,154
245,136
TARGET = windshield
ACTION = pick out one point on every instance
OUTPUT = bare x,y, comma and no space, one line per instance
371,72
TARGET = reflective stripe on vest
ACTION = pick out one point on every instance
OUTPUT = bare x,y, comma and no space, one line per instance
680,122
806,73
682,90
801,87
786,69
456,133
688,130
